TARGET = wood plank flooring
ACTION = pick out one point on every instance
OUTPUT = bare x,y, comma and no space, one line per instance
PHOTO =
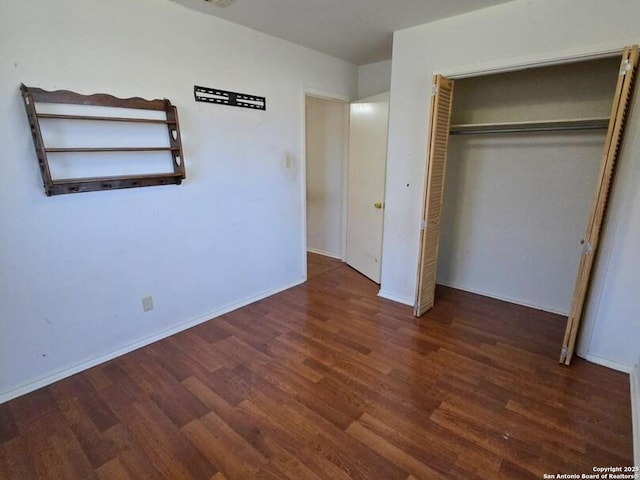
328,381
318,264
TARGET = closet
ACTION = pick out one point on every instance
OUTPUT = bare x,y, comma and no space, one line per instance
518,174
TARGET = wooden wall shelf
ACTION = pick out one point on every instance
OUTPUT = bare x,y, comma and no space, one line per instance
31,96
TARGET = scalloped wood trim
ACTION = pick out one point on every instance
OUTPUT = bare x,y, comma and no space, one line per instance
97,99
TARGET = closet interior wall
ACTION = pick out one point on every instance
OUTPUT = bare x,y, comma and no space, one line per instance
516,205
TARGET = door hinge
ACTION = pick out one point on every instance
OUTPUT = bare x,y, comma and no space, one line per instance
423,225
625,68
565,352
434,89
587,248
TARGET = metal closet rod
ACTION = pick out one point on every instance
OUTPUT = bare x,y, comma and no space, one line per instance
530,127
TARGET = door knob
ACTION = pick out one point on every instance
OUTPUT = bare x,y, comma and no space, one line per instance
378,205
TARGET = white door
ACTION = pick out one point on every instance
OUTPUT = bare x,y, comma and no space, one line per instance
365,199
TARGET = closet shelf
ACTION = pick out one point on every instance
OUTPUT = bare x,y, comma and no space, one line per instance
110,149
57,116
530,127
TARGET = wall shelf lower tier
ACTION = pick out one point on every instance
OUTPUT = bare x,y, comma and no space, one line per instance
71,185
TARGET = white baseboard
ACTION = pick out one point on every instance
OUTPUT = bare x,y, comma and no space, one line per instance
325,254
634,380
505,298
396,298
620,367
67,372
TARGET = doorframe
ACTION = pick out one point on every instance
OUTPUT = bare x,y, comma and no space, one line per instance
546,59
335,97
514,64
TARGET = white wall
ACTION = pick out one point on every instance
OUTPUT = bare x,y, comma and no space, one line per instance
510,33
326,152
73,268
374,78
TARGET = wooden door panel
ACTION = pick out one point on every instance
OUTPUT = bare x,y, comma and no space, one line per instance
439,122
619,111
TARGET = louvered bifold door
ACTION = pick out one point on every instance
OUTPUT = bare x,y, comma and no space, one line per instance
439,120
621,103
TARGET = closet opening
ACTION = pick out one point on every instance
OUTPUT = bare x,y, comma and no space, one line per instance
514,159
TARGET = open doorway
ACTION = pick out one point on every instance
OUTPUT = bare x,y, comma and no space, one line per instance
326,154
345,165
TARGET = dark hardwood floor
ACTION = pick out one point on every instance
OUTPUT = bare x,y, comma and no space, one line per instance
318,264
328,381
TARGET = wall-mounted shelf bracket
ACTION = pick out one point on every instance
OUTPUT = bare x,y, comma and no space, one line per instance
232,99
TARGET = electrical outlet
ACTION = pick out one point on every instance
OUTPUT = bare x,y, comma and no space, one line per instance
147,303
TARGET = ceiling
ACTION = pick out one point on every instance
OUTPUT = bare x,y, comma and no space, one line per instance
358,31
